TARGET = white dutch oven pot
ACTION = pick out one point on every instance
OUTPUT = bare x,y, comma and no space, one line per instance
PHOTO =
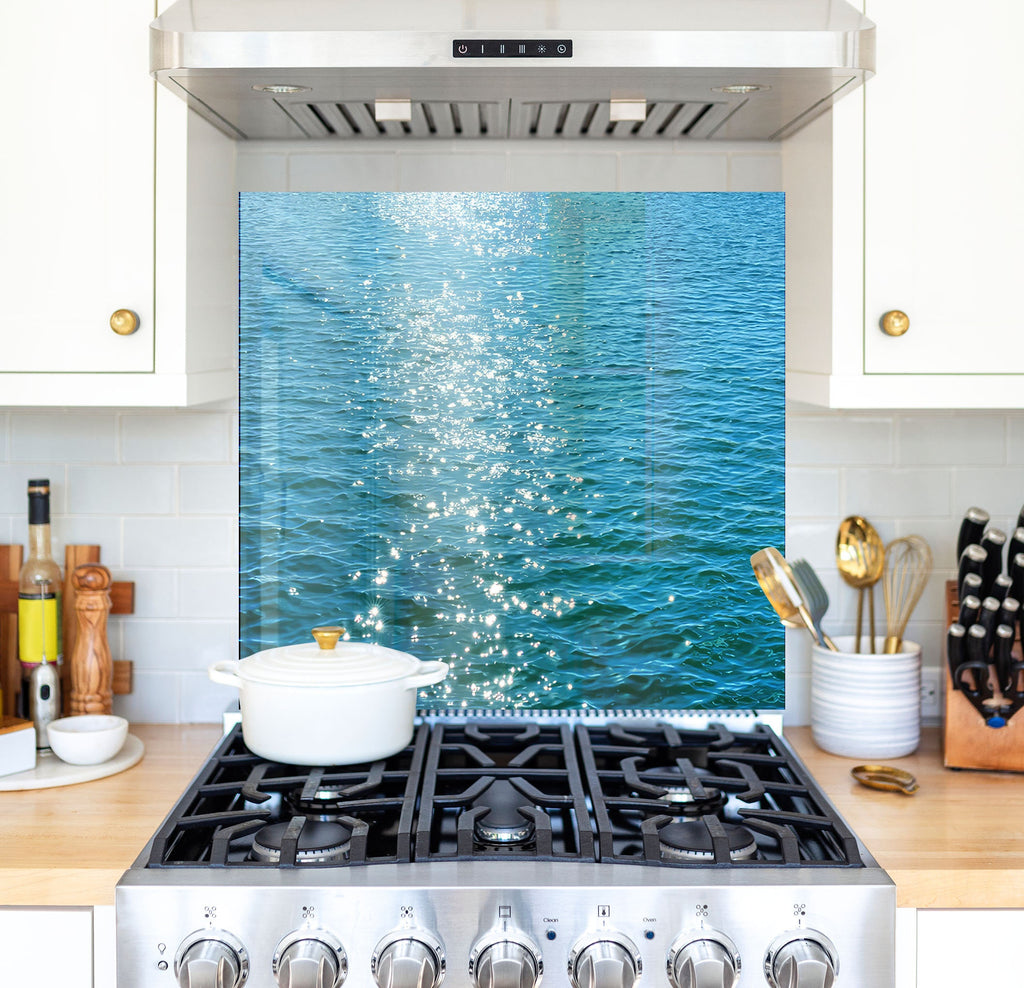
328,702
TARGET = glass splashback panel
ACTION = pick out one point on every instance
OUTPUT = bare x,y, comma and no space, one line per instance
536,435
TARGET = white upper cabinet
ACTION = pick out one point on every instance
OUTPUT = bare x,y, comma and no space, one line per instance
98,217
907,199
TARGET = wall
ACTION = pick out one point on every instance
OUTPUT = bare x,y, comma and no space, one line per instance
158,489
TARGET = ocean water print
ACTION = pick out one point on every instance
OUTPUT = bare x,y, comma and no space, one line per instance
535,435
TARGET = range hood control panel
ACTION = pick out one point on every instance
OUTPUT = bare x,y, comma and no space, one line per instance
515,48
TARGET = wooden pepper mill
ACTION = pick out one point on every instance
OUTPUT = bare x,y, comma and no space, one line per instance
92,670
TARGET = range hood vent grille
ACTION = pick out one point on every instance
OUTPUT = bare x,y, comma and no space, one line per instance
574,119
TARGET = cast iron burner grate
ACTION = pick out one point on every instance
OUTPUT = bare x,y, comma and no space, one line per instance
631,791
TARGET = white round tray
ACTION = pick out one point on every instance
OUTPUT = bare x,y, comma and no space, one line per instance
50,771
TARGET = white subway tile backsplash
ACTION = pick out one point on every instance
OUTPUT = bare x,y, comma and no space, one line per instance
76,437
122,490
896,493
203,701
209,490
999,490
180,542
101,530
938,440
174,437
156,592
178,645
208,593
14,478
155,698
818,440
812,493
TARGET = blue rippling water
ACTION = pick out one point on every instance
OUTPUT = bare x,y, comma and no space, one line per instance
535,435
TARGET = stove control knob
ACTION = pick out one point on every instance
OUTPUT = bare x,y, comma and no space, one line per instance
801,959
707,960
408,959
505,961
606,960
310,959
211,959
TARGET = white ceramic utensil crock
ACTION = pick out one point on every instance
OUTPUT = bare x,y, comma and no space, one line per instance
328,702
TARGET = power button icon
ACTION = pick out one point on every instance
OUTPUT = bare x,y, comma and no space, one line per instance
463,49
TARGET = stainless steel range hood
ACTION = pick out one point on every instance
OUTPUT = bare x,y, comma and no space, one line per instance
494,69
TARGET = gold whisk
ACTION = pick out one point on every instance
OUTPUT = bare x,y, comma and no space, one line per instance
908,564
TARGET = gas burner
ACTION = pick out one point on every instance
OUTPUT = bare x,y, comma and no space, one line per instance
502,824
319,843
691,841
681,801
327,803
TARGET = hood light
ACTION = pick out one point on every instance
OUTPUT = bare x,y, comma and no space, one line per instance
741,89
280,90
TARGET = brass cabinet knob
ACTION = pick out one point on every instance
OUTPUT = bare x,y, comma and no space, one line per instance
124,322
895,323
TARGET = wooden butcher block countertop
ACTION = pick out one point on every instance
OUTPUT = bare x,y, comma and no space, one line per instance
958,843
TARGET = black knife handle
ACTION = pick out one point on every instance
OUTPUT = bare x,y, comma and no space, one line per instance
1016,571
1002,660
993,542
1020,518
970,607
1001,587
1009,611
972,527
988,618
1016,545
977,661
956,651
972,560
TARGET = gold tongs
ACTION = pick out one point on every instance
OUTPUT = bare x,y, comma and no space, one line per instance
885,777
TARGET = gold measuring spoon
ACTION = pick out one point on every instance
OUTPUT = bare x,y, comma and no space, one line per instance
885,777
860,559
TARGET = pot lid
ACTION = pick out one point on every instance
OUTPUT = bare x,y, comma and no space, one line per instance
328,662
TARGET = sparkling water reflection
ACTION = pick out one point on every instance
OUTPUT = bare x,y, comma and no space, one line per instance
536,435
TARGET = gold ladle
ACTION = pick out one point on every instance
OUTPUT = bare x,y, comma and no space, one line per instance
860,559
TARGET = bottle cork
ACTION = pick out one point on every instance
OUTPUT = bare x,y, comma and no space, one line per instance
92,669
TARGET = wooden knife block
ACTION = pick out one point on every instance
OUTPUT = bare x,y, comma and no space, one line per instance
967,741
122,597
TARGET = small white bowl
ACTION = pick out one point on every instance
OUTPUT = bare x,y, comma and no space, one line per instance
88,739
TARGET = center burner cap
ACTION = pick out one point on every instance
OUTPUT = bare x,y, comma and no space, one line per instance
319,842
503,823
691,841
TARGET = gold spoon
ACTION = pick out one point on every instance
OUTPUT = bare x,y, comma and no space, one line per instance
860,558
776,580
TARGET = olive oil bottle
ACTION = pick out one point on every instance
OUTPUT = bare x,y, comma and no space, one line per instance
39,595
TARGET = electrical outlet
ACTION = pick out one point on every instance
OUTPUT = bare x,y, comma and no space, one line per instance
931,694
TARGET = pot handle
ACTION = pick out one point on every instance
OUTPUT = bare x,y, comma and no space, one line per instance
430,672
224,673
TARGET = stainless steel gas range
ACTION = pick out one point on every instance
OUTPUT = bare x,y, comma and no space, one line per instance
586,850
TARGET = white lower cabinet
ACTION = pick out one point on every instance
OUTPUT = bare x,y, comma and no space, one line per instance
969,947
47,948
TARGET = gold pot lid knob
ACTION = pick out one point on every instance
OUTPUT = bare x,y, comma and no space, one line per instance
327,637
124,322
895,323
